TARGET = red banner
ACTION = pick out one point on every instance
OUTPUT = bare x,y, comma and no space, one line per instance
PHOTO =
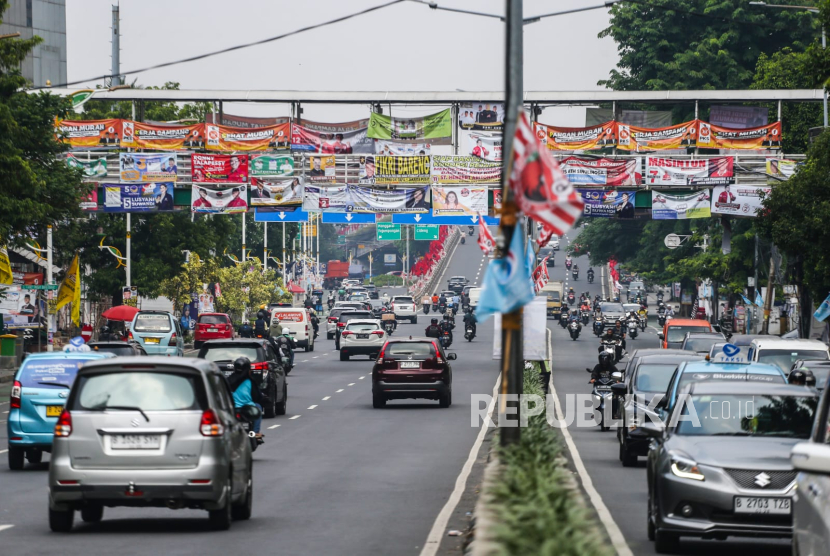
633,138
602,171
219,168
140,135
577,138
89,133
756,138
226,138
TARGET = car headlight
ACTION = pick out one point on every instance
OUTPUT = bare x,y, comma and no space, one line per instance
686,469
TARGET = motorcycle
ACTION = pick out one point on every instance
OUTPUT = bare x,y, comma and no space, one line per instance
643,322
568,264
575,274
590,277
563,319
632,328
574,328
247,414
602,392
612,347
469,333
659,297
463,241
586,316
442,307
470,231
434,307
389,326
426,308
571,299
599,326
661,320
445,339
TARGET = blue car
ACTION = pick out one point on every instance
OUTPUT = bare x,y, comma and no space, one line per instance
158,332
39,392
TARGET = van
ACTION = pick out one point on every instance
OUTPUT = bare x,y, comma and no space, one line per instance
554,292
475,294
675,330
298,321
783,353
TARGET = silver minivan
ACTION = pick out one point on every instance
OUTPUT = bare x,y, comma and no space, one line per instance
150,432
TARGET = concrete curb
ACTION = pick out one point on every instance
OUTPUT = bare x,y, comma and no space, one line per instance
7,376
484,516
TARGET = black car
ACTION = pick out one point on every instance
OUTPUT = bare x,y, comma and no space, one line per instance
372,290
121,349
457,283
418,368
345,317
265,364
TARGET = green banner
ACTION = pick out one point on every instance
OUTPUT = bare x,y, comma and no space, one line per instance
388,232
271,166
95,168
425,232
433,127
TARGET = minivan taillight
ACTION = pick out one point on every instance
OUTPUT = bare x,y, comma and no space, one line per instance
172,341
211,426
263,366
15,397
63,427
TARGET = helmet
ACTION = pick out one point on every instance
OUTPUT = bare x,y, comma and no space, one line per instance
242,365
605,359
262,306
286,332
798,377
434,321
811,378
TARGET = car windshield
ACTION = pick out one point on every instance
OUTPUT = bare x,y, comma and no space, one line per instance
117,350
745,415
362,327
611,307
784,358
678,333
152,322
720,376
229,352
150,391
701,345
553,295
40,373
417,350
212,319
654,378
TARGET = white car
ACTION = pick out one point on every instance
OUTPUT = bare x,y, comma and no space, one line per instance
405,308
362,337
554,242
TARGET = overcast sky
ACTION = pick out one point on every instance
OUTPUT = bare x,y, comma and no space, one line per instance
406,47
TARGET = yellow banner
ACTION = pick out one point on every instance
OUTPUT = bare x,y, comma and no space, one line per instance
5,267
70,291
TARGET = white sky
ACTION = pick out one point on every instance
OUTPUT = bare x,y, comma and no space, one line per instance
406,47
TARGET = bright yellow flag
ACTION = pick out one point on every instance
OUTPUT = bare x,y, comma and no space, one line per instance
5,267
70,291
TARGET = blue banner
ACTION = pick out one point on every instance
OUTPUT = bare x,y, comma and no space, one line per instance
601,203
139,167
139,197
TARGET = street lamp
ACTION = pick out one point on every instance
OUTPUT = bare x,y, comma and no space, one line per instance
810,9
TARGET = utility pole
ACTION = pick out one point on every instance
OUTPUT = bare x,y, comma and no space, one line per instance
265,246
50,293
769,297
116,47
511,324
284,283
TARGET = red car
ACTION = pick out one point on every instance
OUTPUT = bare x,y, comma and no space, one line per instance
212,326
417,368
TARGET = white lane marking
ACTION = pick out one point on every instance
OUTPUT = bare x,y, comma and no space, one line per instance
614,533
361,378
2,421
3,403
4,527
312,406
3,451
294,417
350,384
438,528
273,427
327,398
315,357
304,361
5,412
339,391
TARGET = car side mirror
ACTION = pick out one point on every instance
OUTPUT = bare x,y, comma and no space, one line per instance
452,357
811,457
660,335
620,389
652,430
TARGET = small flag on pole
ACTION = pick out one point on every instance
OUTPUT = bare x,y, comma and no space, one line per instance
758,300
506,285
485,238
823,310
6,276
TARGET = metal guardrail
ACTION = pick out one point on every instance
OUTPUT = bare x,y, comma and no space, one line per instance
438,272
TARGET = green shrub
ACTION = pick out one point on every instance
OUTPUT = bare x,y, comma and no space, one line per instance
386,280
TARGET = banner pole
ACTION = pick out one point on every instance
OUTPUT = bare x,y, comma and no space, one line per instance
284,283
244,256
265,246
51,315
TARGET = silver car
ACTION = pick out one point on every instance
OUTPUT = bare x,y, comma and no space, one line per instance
150,432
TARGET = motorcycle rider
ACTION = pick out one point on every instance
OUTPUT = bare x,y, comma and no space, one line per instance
620,331
447,326
245,392
575,269
287,344
603,368
611,334
260,326
456,301
433,330
384,298
568,261
330,301
425,303
590,274
470,321
315,323
435,301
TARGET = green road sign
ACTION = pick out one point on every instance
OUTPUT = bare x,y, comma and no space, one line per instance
388,232
341,240
40,287
426,231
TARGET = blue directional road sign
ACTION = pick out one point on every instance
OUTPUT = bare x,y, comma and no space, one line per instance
348,218
281,216
428,218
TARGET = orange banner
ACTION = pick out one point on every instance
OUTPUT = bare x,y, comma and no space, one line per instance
140,135
633,138
226,138
89,133
716,137
577,138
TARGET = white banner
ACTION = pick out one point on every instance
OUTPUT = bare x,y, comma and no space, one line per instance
482,144
274,193
743,200
335,198
459,201
388,148
661,170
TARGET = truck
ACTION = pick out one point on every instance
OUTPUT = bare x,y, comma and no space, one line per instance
356,271
554,291
336,272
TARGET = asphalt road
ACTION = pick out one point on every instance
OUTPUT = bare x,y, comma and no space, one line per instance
335,476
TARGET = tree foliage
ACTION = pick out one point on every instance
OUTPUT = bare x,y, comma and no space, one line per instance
245,286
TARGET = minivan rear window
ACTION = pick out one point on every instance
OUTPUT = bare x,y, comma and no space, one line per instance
678,333
42,373
229,352
417,350
213,319
150,391
152,322
784,358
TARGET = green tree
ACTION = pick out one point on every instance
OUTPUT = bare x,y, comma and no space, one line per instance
156,111
247,287
190,279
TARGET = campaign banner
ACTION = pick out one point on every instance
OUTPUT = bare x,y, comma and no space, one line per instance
738,117
738,200
219,201
89,133
435,127
323,169
276,193
719,170
141,135
459,201
271,165
755,138
680,207
93,168
602,171
229,138
464,169
481,116
379,169
89,202
390,148
138,167
481,144
633,138
366,199
602,203
249,122
331,199
138,197
22,307
577,138
219,168
781,169
337,138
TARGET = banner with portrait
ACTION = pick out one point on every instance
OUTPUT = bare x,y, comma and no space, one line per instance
481,116
22,307
219,201
276,193
459,201
333,198
638,139
719,170
92,168
602,171
680,207
336,138
140,167
755,138
228,138
390,148
89,202
781,169
481,144
271,165
464,169
138,197
89,133
219,168
367,199
391,170
322,169
142,135
738,200
603,203
437,128
576,138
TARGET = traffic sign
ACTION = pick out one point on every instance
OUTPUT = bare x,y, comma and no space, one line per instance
388,232
348,218
341,240
672,241
426,232
39,286
428,218
281,216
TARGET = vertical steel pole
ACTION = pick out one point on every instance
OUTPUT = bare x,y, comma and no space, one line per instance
407,266
769,296
284,283
116,48
129,251
319,221
824,45
265,246
51,315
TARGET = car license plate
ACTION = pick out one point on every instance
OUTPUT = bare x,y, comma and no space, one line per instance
362,336
213,330
135,441
410,364
54,410
151,340
755,505
228,373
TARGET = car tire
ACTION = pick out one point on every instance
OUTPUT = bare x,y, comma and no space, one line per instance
34,456
220,520
61,521
281,406
627,458
378,401
197,345
445,400
666,543
414,320
329,336
92,513
243,511
16,458
271,408
311,347
344,356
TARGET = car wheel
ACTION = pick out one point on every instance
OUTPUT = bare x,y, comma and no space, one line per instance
378,401
280,409
445,400
666,543
415,320
271,407
344,356
220,520
329,336
311,348
197,345
92,513
34,456
628,458
16,456
61,521
243,511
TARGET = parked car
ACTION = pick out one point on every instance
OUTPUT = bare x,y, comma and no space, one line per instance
418,368
158,333
784,353
268,371
157,432
405,308
212,326
674,331
38,394
117,348
701,342
299,321
361,337
344,318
